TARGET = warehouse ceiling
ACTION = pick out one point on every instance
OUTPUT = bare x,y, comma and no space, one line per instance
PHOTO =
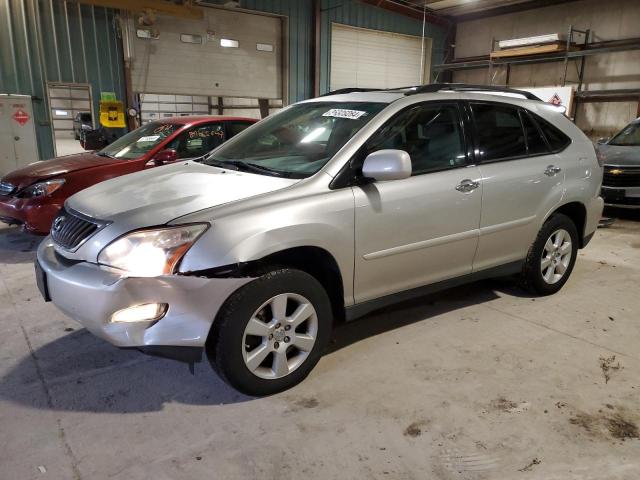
461,10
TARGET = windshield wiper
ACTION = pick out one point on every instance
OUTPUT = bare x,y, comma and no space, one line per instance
246,166
102,154
217,163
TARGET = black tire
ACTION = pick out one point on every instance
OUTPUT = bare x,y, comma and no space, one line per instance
532,278
225,343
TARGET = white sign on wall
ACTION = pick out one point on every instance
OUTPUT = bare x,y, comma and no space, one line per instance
562,96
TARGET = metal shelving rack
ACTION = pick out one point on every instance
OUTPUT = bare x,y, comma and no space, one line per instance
571,42
566,56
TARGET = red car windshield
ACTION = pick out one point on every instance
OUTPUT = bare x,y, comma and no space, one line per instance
142,140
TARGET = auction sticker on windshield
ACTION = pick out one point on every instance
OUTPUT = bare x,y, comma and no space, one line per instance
344,113
150,138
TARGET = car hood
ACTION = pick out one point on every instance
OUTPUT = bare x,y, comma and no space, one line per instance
159,195
55,167
620,155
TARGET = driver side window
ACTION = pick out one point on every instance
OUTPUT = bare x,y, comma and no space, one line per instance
429,133
198,141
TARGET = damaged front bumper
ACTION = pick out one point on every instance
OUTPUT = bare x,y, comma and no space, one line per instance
91,294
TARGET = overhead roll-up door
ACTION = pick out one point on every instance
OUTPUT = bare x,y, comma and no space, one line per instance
374,59
227,54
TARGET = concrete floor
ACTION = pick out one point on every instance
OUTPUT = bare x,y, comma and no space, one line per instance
482,382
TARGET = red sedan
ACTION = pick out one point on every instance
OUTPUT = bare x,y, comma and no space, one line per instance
33,195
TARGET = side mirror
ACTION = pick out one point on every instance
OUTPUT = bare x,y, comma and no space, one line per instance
602,140
163,157
387,165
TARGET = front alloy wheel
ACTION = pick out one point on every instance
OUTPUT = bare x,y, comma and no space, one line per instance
279,336
271,332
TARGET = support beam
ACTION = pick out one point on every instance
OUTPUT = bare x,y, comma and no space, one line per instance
315,48
186,10
594,48
488,11
413,12
617,95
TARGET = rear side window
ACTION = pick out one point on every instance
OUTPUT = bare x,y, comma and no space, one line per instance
198,141
557,140
499,132
536,144
234,128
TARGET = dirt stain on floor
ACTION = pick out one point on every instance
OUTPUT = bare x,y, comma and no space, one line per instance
618,425
608,365
297,404
530,465
415,429
307,403
502,404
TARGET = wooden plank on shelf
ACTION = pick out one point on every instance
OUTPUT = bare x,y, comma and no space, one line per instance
532,50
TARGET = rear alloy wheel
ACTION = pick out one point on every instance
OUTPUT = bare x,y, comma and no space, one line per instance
556,256
552,256
271,332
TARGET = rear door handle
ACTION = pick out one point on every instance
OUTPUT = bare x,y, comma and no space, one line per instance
552,170
467,185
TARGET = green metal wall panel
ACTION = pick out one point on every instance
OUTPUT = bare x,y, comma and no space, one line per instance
62,41
57,41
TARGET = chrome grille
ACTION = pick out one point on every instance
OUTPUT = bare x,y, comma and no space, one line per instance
69,230
6,188
621,177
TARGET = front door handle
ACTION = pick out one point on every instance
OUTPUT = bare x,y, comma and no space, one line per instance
467,185
552,170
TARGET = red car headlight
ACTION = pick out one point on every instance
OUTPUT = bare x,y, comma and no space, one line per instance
41,189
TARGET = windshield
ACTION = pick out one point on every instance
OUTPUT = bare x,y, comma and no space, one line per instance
297,142
629,136
140,141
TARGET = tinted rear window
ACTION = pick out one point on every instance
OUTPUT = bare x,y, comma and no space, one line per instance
555,137
536,143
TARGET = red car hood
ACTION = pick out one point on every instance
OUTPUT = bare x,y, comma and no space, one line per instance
55,168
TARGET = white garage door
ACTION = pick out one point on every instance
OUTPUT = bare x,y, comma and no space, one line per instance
156,107
65,102
374,59
227,53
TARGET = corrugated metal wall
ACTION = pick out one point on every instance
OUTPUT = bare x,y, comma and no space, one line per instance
57,41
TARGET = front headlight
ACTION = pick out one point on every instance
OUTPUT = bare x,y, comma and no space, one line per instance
41,189
150,253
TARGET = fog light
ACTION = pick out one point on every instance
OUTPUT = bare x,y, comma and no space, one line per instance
140,313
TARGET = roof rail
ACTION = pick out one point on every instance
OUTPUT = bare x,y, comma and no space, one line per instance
350,90
465,87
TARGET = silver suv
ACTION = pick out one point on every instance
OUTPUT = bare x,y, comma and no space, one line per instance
330,209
